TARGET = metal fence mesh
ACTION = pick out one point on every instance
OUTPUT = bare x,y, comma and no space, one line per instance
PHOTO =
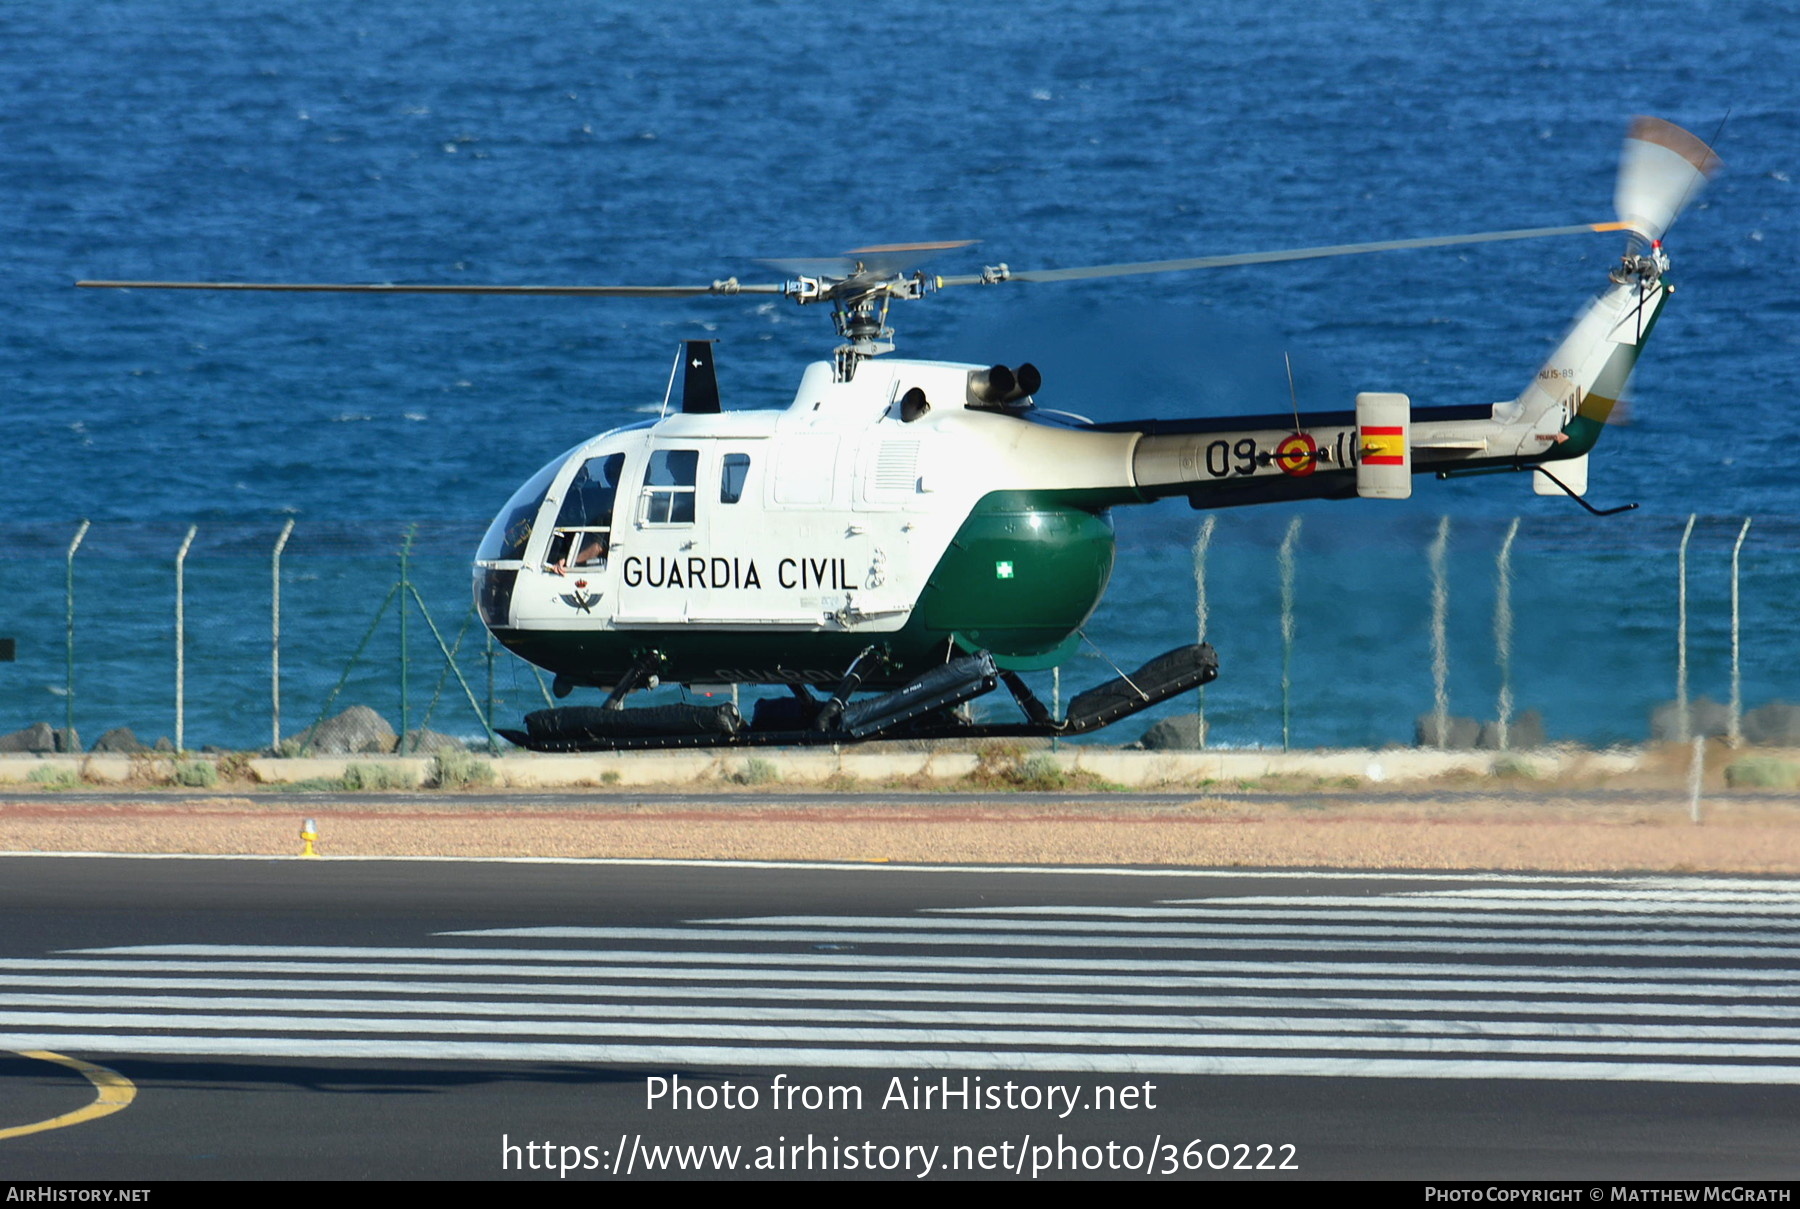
1337,648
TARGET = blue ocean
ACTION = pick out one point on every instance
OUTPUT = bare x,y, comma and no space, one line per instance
606,143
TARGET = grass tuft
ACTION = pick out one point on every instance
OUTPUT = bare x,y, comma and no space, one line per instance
1762,772
453,769
377,776
196,774
757,771
54,777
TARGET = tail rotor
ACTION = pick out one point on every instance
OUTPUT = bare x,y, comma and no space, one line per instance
1661,170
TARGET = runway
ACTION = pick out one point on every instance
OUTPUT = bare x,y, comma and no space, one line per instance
290,1018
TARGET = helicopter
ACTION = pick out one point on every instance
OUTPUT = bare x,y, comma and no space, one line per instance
909,535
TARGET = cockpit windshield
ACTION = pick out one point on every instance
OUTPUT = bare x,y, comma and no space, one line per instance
511,530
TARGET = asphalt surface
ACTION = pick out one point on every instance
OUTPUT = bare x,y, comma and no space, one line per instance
284,1019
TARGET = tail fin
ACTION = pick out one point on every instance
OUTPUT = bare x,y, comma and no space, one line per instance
1575,391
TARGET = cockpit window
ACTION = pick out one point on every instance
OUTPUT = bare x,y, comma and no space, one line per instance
589,500
511,530
669,486
584,522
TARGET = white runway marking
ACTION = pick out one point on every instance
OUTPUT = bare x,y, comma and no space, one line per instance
775,983
1513,978
1387,941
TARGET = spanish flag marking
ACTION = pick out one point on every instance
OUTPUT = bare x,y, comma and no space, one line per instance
1384,446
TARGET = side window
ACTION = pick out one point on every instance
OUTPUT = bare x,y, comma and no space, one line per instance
732,476
669,487
584,522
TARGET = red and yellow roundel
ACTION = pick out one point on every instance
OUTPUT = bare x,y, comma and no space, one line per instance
1295,455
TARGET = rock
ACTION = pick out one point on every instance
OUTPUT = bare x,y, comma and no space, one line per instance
120,740
67,742
37,737
1184,732
1464,733
357,730
1776,724
1705,717
1525,730
164,744
424,741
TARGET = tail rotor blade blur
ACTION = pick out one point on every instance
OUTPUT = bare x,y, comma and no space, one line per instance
1662,168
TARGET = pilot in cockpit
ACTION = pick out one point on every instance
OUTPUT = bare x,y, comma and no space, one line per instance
584,522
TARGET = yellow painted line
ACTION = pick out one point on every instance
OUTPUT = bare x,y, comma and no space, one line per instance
116,1091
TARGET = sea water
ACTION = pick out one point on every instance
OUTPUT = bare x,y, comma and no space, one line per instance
660,143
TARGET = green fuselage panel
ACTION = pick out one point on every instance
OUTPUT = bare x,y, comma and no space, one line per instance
1021,576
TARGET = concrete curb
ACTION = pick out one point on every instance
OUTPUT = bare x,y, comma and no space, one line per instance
1109,766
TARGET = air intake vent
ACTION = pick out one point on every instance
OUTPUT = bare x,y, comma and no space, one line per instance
897,466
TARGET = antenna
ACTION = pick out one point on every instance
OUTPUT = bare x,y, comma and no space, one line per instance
1292,397
680,356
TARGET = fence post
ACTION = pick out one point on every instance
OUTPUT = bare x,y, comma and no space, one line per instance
181,639
1696,771
1503,626
1202,543
1683,722
494,747
69,621
1737,682
405,589
275,638
1286,560
1440,641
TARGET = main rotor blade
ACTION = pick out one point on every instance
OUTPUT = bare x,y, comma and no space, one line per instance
730,286
1238,258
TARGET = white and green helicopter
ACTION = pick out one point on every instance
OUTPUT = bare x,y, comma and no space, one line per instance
908,535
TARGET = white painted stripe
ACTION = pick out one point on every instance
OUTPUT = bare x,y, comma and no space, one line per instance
1400,912
1579,886
896,1035
1246,927
804,985
1780,892
1022,940
1774,907
1681,881
1002,1013
746,965
913,1059
830,988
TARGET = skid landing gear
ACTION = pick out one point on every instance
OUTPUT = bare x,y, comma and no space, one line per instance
927,708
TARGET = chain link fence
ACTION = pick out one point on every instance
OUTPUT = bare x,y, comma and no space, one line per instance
1334,629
